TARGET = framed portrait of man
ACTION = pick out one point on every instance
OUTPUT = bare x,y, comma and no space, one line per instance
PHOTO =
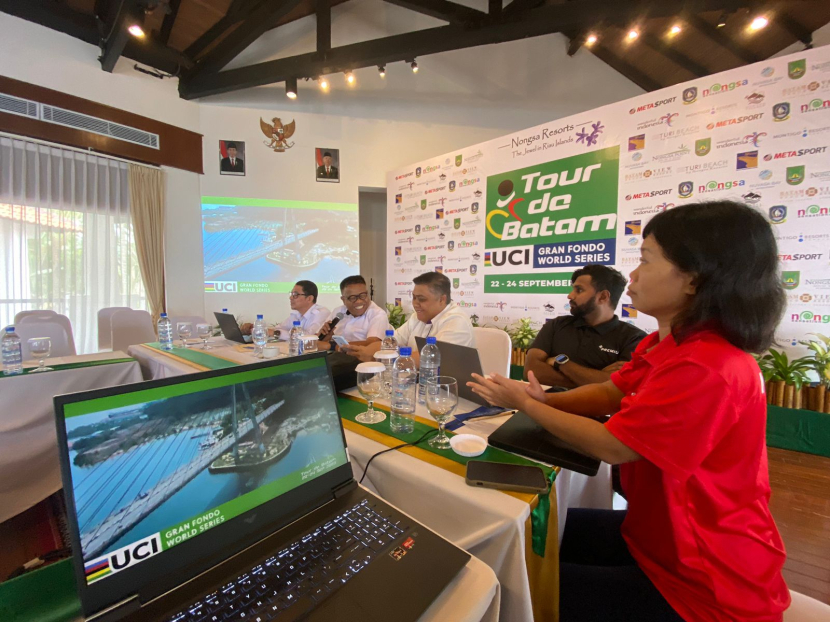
231,157
327,165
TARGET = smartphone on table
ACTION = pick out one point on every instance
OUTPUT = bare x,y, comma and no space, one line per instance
503,476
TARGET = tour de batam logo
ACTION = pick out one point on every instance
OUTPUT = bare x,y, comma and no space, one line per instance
566,200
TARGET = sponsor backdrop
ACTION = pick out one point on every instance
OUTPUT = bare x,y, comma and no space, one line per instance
510,219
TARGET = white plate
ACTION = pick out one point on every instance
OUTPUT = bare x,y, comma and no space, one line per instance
468,445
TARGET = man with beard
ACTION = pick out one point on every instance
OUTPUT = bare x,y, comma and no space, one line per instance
589,344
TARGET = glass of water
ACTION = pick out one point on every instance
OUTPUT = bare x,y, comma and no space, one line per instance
185,330
204,331
259,335
41,348
370,385
442,398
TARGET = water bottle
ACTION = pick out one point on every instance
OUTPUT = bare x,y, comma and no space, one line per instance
389,342
165,327
430,367
404,379
295,340
258,324
12,353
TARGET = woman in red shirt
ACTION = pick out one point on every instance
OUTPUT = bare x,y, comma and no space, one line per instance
688,427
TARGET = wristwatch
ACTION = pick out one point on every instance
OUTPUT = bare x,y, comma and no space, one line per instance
560,360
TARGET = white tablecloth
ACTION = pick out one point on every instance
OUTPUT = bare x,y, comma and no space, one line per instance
487,523
29,467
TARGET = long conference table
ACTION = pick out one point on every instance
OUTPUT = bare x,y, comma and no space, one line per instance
492,525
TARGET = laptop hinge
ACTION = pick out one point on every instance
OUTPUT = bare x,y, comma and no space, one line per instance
344,488
117,611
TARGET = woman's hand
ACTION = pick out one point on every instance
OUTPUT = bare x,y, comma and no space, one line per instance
534,389
501,391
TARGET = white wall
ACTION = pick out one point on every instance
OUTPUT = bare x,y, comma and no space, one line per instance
458,98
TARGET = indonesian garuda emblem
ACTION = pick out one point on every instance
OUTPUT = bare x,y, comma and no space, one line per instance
278,134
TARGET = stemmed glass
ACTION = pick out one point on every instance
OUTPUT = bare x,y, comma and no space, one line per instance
442,398
204,331
259,335
41,348
185,330
370,385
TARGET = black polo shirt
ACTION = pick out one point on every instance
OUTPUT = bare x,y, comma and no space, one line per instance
590,346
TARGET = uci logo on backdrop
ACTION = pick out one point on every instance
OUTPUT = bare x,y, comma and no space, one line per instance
571,199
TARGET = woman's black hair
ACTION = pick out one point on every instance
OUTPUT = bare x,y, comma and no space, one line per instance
731,251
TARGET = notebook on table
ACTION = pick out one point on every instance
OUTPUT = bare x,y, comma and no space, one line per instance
228,495
230,327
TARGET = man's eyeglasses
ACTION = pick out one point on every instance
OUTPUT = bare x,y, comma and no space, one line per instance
297,294
363,296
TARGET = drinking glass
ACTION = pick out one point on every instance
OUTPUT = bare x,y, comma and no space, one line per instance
204,331
259,335
185,330
370,385
442,398
41,348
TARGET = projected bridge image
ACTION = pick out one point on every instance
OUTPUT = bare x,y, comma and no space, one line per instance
250,243
138,470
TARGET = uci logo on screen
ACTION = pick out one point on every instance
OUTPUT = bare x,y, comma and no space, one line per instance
225,286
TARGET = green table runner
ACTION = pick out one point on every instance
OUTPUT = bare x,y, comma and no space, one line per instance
195,356
61,367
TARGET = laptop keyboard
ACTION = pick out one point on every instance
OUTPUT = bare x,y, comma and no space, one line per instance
289,584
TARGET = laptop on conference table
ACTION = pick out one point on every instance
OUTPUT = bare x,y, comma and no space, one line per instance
230,327
458,362
228,495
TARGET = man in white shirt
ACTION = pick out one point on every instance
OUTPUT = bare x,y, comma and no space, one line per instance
304,307
363,321
435,315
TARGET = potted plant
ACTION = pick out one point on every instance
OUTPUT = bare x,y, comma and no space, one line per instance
818,398
784,378
522,336
396,315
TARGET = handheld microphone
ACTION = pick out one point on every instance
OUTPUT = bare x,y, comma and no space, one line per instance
334,322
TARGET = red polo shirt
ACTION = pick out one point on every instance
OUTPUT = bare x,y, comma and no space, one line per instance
698,520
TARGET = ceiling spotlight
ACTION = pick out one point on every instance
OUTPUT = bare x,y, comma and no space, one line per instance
675,30
414,66
324,84
136,30
382,71
633,34
758,23
349,77
591,40
291,88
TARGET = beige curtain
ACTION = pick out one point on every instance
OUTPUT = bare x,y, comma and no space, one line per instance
147,212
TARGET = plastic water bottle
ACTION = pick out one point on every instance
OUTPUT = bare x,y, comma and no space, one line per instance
404,379
165,327
295,340
259,323
430,367
12,353
389,342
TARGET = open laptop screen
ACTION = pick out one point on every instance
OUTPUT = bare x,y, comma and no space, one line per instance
153,468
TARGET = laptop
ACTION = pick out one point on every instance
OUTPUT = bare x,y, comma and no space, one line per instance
230,327
228,495
458,362
522,435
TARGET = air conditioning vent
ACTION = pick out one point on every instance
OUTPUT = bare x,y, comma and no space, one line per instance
16,105
79,121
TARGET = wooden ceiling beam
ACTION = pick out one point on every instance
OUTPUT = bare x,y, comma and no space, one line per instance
116,40
794,27
675,56
644,81
169,21
442,9
323,9
259,21
520,6
719,38
234,15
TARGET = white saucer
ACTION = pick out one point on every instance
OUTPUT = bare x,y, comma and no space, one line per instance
468,445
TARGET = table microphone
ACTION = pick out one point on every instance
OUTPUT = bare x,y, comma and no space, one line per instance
334,322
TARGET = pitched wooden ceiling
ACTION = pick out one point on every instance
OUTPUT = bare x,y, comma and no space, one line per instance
196,39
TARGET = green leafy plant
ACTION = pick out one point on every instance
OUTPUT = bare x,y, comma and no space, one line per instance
776,367
820,362
395,314
522,335
474,320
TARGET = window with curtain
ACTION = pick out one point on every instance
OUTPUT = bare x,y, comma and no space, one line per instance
66,238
